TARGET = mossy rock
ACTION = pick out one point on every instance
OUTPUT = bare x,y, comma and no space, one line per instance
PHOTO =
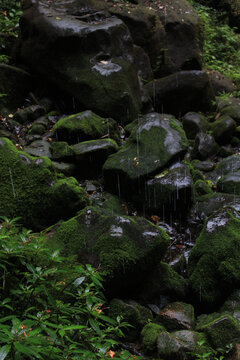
164,281
149,335
214,262
39,148
177,316
170,192
153,143
207,204
61,151
131,312
229,183
84,126
126,248
91,155
193,123
221,331
30,189
109,204
201,188
223,129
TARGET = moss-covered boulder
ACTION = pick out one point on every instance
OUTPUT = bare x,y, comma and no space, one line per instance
131,312
232,109
126,248
30,189
181,92
201,188
154,142
39,148
221,330
170,192
223,129
29,113
61,151
177,316
91,155
85,53
149,335
84,126
204,146
229,183
193,123
164,281
214,262
179,344
207,204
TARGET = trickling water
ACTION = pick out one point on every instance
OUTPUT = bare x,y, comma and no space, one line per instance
119,189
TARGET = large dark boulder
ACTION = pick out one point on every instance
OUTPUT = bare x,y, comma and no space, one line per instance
181,92
84,51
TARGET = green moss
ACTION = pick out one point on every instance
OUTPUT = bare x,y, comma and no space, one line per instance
214,262
27,188
201,188
221,331
61,151
178,127
119,244
149,336
151,145
84,126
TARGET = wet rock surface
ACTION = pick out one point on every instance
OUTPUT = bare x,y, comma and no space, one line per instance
168,233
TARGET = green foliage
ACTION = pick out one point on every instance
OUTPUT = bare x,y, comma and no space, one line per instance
9,22
51,307
205,353
221,50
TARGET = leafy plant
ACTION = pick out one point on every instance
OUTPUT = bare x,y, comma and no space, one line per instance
221,49
205,353
51,307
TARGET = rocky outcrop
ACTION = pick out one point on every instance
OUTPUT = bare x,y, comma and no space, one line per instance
84,52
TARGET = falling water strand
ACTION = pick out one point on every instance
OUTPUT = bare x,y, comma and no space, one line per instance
119,190
165,15
11,178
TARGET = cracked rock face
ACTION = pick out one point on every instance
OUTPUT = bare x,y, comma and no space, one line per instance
82,50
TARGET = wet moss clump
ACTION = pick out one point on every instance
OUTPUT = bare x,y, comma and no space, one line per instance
214,262
85,126
149,336
31,190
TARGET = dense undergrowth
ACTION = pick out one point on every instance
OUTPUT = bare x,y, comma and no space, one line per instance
51,307
221,43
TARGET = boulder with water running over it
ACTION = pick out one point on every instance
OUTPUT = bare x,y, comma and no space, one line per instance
155,141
